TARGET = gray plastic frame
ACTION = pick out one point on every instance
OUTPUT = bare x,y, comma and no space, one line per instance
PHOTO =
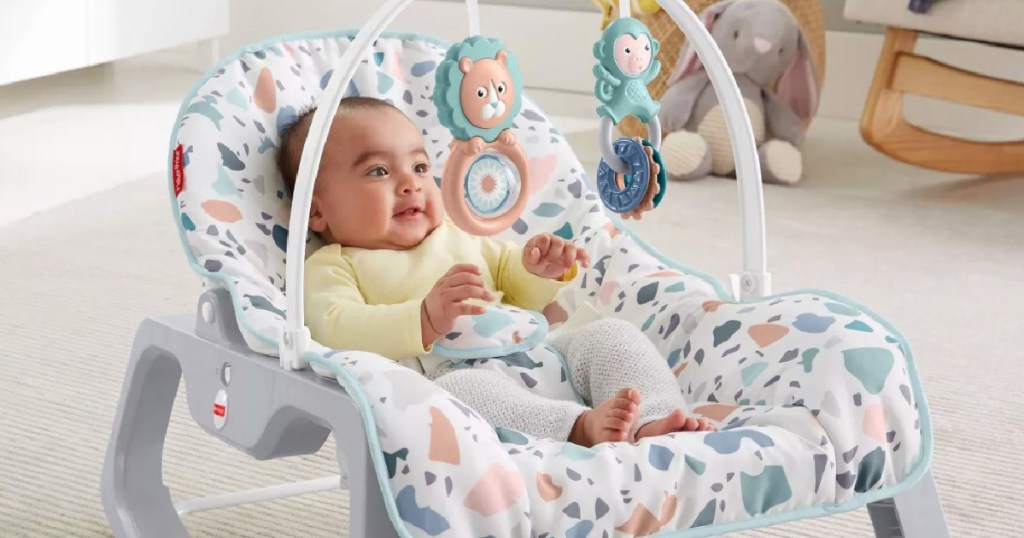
274,413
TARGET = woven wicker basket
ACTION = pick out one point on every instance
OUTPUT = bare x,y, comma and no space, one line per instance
807,12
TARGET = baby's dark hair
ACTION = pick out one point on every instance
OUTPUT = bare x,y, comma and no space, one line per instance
295,132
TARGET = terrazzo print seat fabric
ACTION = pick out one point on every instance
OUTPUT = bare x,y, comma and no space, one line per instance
818,403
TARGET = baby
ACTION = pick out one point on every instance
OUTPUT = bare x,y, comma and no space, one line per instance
395,275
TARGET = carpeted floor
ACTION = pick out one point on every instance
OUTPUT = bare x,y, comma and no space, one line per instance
940,257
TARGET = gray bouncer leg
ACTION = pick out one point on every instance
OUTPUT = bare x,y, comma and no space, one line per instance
242,398
915,513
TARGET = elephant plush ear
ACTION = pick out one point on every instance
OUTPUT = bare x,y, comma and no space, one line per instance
798,85
688,62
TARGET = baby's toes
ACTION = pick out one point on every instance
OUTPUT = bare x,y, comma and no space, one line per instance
623,414
616,424
632,395
617,435
624,404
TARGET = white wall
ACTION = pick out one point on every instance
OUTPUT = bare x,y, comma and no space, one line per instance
851,56
565,68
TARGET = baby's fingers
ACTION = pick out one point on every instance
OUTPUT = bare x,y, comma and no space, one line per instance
583,257
555,251
533,255
462,279
568,255
540,241
468,291
466,309
463,268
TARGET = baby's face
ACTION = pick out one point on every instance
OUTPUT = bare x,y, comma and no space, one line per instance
375,189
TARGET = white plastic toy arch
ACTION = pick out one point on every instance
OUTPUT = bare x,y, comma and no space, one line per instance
752,282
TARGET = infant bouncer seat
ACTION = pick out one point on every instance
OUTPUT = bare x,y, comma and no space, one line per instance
819,406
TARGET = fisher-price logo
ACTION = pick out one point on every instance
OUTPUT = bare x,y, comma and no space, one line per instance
178,170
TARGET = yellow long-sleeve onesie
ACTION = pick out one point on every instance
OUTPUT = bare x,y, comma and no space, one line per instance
369,300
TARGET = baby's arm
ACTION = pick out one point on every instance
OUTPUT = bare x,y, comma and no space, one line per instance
339,317
522,287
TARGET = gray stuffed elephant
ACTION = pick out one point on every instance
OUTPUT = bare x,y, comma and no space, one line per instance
765,48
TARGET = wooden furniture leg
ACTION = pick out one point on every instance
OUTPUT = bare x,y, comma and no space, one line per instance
900,71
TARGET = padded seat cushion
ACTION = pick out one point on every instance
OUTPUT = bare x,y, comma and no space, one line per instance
995,21
820,406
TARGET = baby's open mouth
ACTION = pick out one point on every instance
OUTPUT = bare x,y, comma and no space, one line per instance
411,212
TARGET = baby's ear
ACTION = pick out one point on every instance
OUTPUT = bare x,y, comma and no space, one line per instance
465,64
317,223
502,57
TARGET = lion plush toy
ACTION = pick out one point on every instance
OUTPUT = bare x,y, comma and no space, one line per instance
769,56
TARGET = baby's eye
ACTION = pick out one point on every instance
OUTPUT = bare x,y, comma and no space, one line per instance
422,168
647,47
481,92
378,171
627,50
501,88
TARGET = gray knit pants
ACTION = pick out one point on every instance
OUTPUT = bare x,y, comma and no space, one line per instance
603,357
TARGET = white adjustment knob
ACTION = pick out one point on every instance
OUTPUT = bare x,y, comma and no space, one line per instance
206,310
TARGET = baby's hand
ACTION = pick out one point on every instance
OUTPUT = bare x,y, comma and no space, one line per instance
445,303
550,256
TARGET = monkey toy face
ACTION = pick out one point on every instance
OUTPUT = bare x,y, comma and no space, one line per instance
632,54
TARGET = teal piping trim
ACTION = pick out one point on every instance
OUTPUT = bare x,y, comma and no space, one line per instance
369,424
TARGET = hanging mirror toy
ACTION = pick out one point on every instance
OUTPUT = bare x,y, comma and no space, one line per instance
630,177
478,93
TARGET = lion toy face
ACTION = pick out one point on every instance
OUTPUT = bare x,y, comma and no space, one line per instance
477,90
487,91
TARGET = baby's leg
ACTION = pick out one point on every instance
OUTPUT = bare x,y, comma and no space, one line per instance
507,404
608,355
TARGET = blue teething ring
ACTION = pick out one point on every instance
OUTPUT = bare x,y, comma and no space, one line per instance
636,181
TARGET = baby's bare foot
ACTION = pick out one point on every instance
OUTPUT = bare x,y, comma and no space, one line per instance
676,421
703,425
609,422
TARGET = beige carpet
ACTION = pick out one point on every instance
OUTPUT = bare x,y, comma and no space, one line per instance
938,255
